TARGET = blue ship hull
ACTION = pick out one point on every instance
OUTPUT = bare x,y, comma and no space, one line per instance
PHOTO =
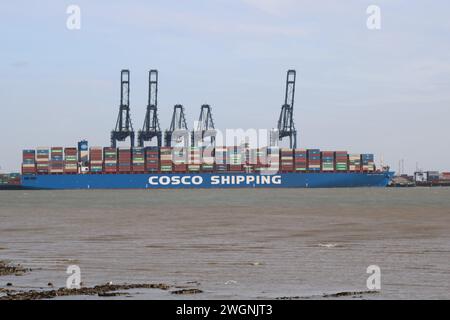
206,180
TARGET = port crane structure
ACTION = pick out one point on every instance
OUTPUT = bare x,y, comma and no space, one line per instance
151,128
178,130
204,128
124,127
286,126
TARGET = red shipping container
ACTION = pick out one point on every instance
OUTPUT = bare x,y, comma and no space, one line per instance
179,167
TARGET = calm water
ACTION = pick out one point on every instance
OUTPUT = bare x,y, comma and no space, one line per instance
233,243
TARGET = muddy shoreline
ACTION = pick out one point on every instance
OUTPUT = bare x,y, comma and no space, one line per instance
104,290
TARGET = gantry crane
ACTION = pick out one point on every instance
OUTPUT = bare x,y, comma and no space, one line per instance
124,127
286,126
204,128
178,130
151,127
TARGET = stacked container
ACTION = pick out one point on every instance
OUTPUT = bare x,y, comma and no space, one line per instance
314,160
273,159
354,161
207,159
235,158
251,160
124,157
110,159
220,159
368,163
42,160
166,159
28,162
56,160
300,160
70,160
138,157
194,160
10,179
287,159
95,159
246,154
260,158
14,178
252,157
327,161
152,159
179,159
248,164
341,158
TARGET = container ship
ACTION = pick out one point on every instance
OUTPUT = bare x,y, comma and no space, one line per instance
186,160
164,167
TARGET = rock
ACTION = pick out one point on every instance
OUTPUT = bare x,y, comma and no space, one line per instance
187,291
111,294
101,290
8,269
349,293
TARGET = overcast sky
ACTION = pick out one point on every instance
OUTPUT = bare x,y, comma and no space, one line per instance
381,91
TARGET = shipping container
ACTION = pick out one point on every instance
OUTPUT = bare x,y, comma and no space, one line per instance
287,159
314,159
10,179
165,159
138,159
341,158
152,159
300,160
354,161
110,159
124,163
96,159
273,159
56,164
235,159
327,161
28,161
207,159
220,158
42,160
367,162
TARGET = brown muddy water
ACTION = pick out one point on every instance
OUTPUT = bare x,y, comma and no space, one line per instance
232,244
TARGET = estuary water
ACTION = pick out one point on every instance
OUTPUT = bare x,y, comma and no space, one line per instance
232,244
